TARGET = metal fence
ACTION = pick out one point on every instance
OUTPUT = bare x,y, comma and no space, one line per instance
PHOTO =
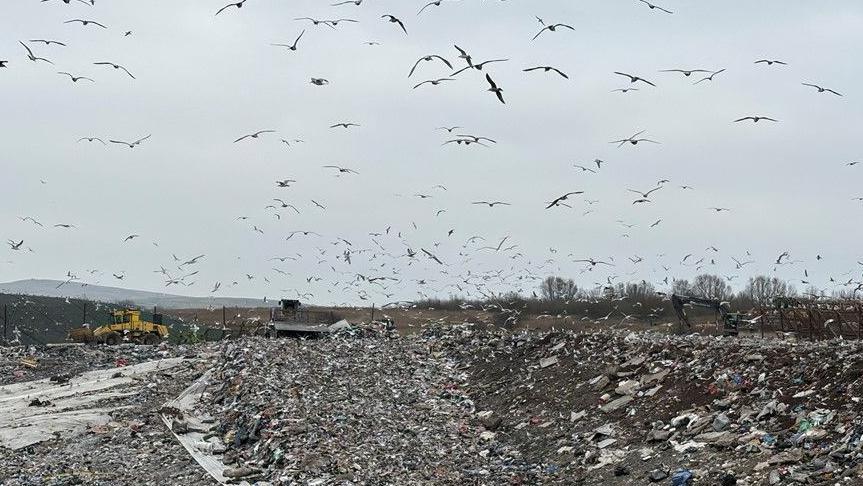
813,318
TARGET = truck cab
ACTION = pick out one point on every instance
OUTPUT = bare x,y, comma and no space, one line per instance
125,316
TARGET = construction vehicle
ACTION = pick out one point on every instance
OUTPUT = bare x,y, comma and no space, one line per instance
291,319
126,325
730,320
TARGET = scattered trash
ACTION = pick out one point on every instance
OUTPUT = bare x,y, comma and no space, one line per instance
456,404
682,477
30,362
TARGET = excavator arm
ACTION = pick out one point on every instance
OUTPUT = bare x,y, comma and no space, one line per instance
679,301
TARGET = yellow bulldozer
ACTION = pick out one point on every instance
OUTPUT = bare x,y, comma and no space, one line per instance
126,325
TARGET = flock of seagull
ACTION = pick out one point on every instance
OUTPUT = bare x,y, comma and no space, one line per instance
380,265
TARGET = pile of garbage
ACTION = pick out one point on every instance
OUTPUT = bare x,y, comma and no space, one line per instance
640,408
460,404
27,363
89,415
346,411
448,405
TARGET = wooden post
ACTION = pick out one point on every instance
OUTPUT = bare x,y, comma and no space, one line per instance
223,317
373,313
5,322
84,321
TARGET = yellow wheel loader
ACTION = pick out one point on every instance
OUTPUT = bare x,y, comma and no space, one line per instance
126,325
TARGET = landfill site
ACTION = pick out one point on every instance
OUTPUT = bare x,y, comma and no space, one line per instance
446,404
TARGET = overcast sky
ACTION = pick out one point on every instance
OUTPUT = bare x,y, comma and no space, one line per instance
203,81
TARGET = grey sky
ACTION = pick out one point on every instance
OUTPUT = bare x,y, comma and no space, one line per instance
203,81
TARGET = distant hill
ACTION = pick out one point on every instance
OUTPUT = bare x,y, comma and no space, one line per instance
77,290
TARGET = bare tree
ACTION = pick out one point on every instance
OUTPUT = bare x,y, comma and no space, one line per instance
556,288
681,287
711,287
639,291
761,290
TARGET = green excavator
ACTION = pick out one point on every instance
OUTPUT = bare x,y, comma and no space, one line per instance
730,320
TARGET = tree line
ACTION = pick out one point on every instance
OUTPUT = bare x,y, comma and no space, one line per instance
560,296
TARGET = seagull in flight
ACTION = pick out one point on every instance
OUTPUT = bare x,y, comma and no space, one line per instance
560,199
552,28
31,56
496,248
92,139
304,233
342,170
293,46
634,79
316,21
820,89
685,72
428,58
436,3
464,55
345,125
770,62
284,205
465,141
431,256
647,194
335,22
395,20
633,140
478,66
132,144
755,119
238,5
593,262
75,79
254,135
494,88
86,22
709,78
655,7
15,246
31,219
547,69
115,66
48,42
434,82
477,139
492,204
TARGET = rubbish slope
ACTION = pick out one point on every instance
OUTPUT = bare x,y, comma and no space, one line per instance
458,405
